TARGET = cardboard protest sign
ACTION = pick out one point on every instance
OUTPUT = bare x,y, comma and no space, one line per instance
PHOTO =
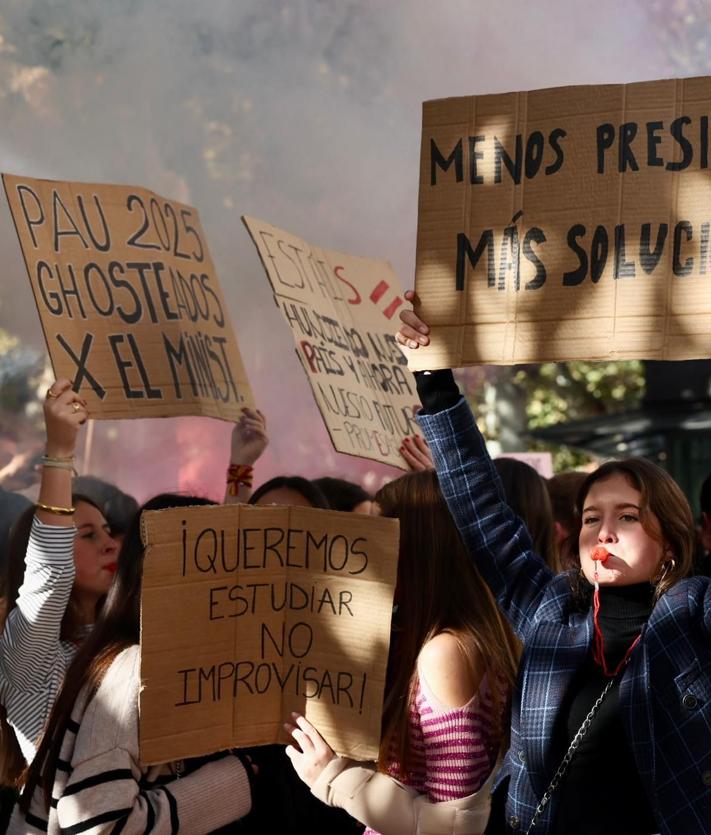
566,223
249,613
341,311
129,300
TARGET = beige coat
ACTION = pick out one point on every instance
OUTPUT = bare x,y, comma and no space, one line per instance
391,808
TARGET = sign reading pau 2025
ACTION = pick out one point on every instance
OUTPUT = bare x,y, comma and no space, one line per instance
129,300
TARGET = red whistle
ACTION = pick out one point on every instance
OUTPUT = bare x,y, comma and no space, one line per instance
599,553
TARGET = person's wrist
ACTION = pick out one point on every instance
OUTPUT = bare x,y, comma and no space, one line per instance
244,459
239,475
58,450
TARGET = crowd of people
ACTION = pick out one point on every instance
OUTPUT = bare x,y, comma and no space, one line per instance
549,667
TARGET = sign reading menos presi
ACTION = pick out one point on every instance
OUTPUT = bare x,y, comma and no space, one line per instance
565,224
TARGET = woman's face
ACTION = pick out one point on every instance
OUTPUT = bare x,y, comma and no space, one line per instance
611,518
95,551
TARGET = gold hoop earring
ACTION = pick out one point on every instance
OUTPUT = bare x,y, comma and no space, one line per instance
667,567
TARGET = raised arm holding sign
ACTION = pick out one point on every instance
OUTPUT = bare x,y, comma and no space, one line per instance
597,665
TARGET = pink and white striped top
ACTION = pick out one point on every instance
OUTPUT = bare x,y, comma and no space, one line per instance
453,749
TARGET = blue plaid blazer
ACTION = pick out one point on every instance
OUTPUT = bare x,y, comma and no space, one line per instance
665,692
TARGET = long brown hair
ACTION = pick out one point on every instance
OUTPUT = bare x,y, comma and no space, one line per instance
527,496
660,496
438,590
117,628
12,763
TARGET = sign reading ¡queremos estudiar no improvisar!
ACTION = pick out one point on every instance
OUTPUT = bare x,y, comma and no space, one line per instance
249,613
566,223
129,300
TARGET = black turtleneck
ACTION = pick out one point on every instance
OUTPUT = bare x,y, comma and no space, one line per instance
602,791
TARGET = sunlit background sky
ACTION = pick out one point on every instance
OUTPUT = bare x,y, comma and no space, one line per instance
303,112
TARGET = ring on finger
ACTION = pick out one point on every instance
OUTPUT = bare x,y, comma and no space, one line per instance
75,407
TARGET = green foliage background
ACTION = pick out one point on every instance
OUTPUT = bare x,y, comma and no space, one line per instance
539,396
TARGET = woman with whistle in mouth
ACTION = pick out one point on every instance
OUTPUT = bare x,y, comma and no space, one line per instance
611,718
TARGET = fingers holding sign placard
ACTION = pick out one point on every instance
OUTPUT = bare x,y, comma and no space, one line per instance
129,300
413,331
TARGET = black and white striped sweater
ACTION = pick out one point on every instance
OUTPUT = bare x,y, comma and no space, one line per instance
33,660
101,785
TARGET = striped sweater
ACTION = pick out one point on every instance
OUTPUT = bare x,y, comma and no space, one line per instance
453,750
102,786
33,660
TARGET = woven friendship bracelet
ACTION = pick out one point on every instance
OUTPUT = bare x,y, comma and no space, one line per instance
238,474
63,458
58,463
